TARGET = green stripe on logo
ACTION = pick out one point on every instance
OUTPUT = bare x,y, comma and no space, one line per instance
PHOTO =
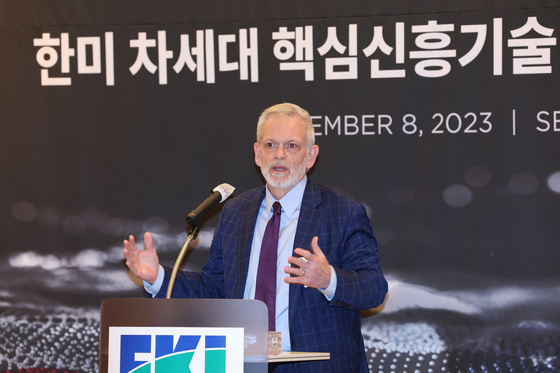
175,363
215,361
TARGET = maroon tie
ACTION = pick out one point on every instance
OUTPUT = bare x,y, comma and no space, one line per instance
266,275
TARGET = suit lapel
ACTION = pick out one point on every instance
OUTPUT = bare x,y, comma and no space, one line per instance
247,222
307,228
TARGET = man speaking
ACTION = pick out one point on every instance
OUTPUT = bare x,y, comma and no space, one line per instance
306,250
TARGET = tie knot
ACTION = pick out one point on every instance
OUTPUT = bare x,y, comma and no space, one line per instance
276,208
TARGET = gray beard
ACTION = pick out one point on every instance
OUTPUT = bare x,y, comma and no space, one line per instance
294,177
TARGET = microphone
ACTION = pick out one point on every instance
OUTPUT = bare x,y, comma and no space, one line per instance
219,194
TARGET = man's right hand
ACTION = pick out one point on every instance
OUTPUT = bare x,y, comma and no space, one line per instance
143,264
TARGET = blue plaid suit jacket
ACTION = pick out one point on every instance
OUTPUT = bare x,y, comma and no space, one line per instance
346,239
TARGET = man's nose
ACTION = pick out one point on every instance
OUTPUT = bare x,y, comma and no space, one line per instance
280,153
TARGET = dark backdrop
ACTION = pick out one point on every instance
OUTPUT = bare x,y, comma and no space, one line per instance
443,118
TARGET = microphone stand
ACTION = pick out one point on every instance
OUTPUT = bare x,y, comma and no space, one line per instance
223,191
192,235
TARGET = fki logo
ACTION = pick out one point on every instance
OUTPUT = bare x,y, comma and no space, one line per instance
164,350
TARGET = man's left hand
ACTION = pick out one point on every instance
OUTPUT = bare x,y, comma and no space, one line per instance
311,269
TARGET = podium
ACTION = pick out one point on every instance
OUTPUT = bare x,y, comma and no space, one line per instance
250,315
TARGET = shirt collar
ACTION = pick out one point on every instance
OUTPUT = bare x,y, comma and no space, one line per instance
291,201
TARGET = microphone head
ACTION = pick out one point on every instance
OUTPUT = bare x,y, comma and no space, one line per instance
225,190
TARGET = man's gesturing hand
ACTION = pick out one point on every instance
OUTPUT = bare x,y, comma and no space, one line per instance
312,269
143,264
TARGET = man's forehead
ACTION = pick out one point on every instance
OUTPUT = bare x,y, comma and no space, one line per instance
284,123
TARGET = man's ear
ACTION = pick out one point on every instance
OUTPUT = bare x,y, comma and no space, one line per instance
257,155
313,153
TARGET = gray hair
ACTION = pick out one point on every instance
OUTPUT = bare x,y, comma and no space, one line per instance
289,110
